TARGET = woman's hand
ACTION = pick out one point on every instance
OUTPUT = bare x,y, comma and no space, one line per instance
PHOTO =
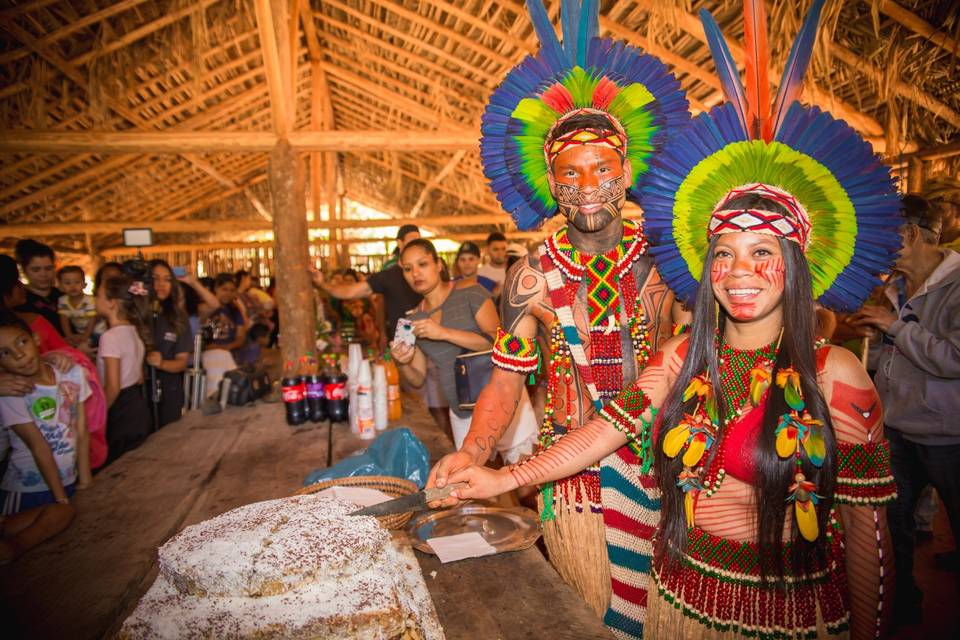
482,482
13,385
59,361
154,359
402,352
428,328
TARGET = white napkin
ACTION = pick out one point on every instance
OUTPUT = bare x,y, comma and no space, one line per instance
460,546
358,495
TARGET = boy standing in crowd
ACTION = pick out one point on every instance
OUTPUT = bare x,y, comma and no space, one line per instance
37,262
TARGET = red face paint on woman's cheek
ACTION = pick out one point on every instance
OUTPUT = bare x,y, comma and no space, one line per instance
719,271
772,271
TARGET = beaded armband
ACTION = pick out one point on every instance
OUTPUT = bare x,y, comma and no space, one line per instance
512,353
679,328
863,474
625,413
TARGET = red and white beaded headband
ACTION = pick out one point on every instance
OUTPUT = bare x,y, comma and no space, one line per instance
794,225
586,135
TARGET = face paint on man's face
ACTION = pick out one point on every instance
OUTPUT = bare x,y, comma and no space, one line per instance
590,186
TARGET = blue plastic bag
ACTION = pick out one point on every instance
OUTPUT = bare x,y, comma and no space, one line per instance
396,453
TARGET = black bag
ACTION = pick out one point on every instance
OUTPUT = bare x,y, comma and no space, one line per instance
246,385
472,371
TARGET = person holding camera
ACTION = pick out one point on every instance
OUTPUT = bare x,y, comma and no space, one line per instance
449,322
172,340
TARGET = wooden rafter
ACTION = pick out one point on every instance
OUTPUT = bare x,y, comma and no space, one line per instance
920,26
25,141
188,226
278,84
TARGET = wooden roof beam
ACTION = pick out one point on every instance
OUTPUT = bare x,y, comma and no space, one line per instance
919,26
157,142
188,226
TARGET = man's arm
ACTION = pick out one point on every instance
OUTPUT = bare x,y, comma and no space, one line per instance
523,291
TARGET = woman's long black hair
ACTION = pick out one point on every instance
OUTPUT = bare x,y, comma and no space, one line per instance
173,309
774,475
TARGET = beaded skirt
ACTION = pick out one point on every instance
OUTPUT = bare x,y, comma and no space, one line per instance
715,591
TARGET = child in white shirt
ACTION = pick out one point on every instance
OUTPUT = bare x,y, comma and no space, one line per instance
46,428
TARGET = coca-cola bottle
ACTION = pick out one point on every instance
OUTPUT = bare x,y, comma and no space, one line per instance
294,397
335,388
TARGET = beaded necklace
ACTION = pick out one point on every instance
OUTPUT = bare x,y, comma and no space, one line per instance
698,431
797,432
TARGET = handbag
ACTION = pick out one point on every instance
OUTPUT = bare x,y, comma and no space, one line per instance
472,372
247,385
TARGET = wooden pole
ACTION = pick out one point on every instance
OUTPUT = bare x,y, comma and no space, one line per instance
915,175
294,290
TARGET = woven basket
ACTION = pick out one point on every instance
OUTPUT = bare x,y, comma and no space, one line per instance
394,487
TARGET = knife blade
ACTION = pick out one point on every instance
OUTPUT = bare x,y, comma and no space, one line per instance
413,502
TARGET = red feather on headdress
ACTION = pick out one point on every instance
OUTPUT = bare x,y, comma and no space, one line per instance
757,63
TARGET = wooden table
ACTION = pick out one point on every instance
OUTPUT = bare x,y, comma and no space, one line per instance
84,583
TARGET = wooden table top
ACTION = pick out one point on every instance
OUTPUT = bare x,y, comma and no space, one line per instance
84,582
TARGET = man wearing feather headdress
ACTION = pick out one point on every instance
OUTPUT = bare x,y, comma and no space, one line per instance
571,131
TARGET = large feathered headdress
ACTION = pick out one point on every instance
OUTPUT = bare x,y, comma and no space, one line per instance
832,195
642,99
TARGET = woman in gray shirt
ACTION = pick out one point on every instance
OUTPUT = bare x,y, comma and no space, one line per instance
448,322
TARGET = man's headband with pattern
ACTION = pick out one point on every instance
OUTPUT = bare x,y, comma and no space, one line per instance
586,135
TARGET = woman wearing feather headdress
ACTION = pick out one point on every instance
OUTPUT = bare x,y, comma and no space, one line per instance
768,451
572,131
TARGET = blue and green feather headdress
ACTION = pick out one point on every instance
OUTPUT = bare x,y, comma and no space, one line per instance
584,72
848,194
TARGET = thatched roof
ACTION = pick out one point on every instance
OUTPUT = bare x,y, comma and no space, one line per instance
174,66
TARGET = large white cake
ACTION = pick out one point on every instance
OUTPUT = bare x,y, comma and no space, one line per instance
293,568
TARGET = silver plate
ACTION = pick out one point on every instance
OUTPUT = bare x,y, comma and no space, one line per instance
504,529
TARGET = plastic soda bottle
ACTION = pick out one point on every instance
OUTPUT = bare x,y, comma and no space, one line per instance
394,408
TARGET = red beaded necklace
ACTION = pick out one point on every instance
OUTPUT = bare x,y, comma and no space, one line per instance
744,375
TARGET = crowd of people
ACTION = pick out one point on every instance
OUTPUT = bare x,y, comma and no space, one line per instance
87,377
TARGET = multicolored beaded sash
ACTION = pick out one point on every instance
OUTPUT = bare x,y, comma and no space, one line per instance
610,284
718,583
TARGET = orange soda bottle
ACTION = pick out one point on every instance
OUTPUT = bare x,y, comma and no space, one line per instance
394,408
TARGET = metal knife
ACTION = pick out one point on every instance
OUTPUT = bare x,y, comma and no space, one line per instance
413,502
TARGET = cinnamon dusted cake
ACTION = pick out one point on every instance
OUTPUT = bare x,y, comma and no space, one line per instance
293,568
